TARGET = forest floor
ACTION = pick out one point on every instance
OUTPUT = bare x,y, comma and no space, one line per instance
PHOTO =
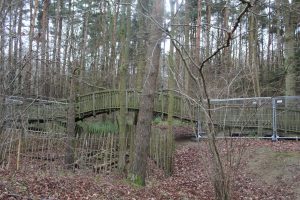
267,170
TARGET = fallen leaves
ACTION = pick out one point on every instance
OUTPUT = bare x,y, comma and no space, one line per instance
191,178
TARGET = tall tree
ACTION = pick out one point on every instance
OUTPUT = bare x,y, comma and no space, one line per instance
143,129
44,62
19,47
252,43
171,77
69,151
208,27
125,39
112,59
226,53
10,67
67,47
186,41
290,21
142,37
55,89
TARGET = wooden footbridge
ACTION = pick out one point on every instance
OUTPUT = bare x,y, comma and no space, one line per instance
100,151
109,101
264,112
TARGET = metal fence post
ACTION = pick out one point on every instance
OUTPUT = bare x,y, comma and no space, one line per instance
198,123
274,120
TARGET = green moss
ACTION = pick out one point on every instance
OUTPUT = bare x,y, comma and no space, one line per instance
136,180
157,121
174,122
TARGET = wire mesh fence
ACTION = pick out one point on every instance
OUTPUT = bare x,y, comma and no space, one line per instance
261,116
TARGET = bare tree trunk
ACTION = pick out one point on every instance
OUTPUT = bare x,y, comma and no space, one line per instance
67,45
15,52
69,157
226,53
2,68
58,59
20,48
28,68
290,21
44,77
253,62
83,49
141,50
221,178
48,71
125,39
186,42
198,33
112,62
208,28
2,41
143,129
56,51
171,82
279,43
11,69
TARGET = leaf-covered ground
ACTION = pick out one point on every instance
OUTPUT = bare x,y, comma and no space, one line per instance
267,170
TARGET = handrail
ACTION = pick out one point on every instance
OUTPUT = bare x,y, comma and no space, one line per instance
224,113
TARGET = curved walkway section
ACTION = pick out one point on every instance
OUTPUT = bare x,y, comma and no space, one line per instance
277,113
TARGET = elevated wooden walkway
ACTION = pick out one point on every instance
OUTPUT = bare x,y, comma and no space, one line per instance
109,101
237,113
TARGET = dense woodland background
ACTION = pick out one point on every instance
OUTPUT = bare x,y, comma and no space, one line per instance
42,42
61,49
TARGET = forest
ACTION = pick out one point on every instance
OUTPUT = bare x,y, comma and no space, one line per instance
106,84
41,41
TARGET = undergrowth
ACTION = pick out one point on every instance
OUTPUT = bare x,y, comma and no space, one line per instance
175,122
98,127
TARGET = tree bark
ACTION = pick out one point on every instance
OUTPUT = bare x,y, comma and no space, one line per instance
67,46
83,49
141,50
186,43
69,151
44,78
226,53
143,129
112,61
20,48
208,28
290,21
253,61
56,51
125,39
171,83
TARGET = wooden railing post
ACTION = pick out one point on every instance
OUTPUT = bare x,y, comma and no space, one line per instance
94,101
78,105
162,105
126,102
110,97
181,107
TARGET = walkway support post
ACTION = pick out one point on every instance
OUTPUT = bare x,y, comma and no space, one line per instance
274,120
94,108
